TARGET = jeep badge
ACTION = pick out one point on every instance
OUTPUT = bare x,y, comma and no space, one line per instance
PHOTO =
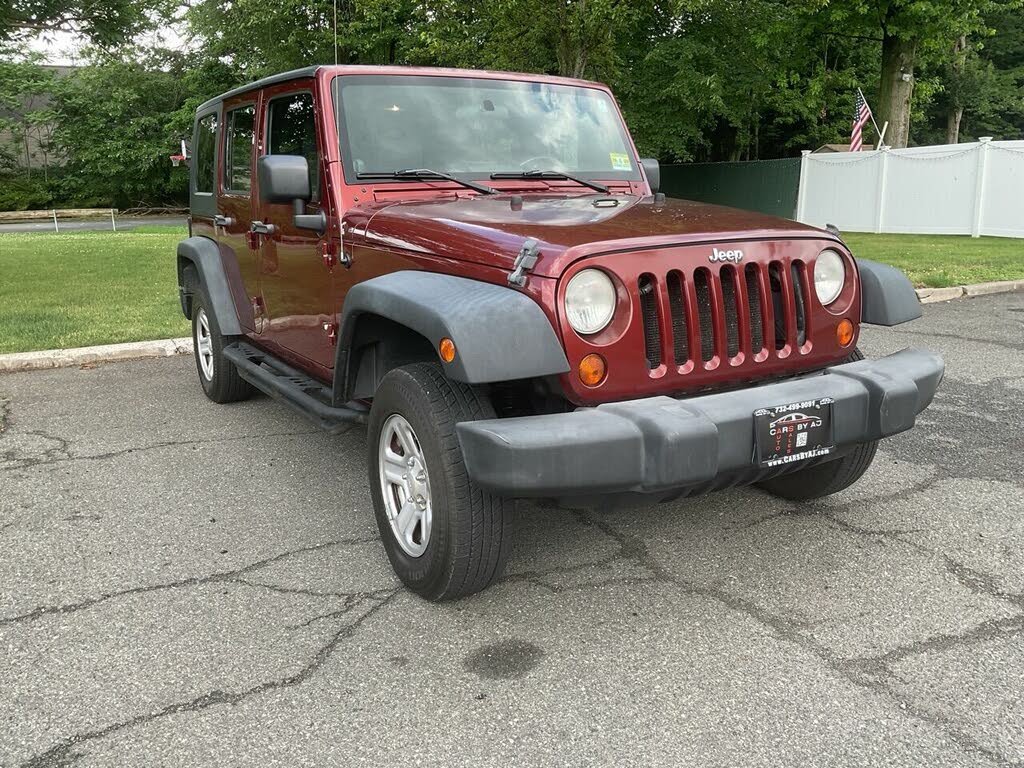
735,256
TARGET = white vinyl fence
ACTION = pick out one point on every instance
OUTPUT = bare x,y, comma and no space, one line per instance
954,189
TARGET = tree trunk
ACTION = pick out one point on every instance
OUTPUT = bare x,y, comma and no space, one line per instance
953,124
956,109
897,88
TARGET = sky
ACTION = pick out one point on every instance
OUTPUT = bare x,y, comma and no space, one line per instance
58,47
64,48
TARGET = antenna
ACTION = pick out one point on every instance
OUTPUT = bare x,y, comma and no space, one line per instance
335,32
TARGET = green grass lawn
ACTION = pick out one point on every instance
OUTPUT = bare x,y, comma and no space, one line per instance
937,261
82,288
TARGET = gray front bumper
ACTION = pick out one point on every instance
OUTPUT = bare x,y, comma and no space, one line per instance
661,443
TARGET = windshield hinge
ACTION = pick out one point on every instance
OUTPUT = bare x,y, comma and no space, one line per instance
527,257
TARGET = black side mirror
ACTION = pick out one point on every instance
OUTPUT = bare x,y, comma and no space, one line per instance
652,170
284,179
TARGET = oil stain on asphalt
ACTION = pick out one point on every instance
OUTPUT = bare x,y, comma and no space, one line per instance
507,660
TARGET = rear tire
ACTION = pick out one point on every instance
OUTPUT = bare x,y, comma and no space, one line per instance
217,375
828,478
445,537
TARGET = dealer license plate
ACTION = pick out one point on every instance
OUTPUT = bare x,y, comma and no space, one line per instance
793,432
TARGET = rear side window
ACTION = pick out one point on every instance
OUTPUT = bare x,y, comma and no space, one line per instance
238,150
292,130
206,153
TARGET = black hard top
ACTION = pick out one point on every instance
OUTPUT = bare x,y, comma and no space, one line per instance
280,77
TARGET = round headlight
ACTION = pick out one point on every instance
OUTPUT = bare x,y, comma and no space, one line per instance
589,301
829,276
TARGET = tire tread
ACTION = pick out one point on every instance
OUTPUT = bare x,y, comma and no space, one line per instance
481,540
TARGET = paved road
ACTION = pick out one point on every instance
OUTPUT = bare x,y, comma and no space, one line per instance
92,225
187,584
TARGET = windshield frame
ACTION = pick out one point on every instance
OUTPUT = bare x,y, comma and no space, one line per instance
339,81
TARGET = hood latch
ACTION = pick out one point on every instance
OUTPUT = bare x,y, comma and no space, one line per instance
527,257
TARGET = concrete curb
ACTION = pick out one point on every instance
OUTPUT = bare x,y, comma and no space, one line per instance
933,295
64,358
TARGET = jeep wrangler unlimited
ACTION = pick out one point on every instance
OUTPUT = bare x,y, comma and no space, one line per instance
478,266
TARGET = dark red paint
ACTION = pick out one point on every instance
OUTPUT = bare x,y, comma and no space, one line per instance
289,295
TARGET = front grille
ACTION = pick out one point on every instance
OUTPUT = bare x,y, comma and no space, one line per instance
798,300
707,341
649,313
732,321
754,303
724,312
680,330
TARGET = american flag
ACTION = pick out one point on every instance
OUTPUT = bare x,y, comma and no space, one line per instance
861,115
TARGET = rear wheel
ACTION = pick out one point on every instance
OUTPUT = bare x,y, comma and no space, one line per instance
445,537
217,374
828,478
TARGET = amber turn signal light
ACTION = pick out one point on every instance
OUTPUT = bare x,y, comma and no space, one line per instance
447,349
844,333
592,370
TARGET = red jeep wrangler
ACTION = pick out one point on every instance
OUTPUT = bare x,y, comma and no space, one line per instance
479,267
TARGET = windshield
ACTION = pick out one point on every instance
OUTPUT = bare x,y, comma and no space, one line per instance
475,127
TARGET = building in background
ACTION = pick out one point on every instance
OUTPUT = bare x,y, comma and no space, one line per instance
26,129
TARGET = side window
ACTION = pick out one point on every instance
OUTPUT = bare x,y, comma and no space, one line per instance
238,150
206,154
291,126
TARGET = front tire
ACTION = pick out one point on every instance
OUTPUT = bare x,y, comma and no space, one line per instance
828,478
445,537
823,479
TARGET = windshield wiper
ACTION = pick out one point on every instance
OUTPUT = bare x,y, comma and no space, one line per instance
538,174
426,173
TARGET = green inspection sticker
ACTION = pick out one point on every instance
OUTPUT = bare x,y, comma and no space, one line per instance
620,162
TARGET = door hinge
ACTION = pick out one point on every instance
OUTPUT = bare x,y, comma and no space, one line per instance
328,254
331,331
331,254
524,262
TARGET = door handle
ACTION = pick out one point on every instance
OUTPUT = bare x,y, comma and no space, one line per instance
262,228
222,221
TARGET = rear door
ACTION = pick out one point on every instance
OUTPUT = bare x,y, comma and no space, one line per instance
297,285
235,208
203,178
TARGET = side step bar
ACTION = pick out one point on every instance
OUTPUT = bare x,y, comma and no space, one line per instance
294,388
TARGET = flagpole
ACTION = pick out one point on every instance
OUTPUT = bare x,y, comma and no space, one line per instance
872,113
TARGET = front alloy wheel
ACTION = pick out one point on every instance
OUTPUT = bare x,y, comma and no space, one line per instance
404,484
445,537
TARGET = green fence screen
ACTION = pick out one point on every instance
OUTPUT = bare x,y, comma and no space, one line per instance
769,186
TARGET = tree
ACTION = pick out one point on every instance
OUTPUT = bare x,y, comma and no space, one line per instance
998,105
911,32
965,79
26,115
697,79
103,22
116,127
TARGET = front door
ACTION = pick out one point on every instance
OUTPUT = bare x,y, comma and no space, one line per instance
297,284
235,209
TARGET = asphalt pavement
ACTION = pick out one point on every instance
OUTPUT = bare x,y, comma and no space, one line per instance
93,225
189,584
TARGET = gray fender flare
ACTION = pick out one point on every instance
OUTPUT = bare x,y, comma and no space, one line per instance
500,334
204,254
888,296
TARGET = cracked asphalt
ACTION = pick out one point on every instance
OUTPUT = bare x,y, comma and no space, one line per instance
189,584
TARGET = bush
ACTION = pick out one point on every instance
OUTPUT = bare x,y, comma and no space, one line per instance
21,193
